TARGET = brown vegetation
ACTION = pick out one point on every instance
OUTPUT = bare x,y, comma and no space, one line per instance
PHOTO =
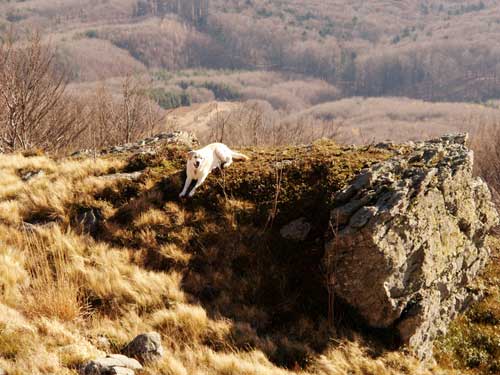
439,51
156,264
160,265
484,142
34,111
300,57
255,123
116,121
354,120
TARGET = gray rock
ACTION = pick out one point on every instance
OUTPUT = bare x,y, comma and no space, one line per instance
133,176
83,153
145,347
147,145
296,230
385,145
410,240
283,164
29,175
113,364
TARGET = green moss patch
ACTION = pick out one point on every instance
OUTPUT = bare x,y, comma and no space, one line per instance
283,182
473,340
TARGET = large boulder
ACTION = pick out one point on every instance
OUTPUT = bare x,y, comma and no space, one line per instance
410,238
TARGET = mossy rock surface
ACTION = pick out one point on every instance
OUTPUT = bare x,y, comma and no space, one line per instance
284,182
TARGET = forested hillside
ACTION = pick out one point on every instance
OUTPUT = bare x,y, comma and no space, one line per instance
299,68
432,50
97,246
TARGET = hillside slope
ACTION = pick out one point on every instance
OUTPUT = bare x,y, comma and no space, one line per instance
431,50
354,120
99,250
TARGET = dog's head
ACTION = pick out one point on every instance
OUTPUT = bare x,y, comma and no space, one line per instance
195,159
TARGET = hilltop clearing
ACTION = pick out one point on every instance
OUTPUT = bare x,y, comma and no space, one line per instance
99,250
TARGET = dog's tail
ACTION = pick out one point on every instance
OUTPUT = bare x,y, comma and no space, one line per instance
238,156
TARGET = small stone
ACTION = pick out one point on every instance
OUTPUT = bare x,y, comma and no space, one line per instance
113,364
283,164
145,347
29,175
296,230
120,360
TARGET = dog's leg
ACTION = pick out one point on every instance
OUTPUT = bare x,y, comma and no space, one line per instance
227,163
198,183
186,186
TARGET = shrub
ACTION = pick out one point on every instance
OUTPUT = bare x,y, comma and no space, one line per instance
169,99
91,34
222,91
484,142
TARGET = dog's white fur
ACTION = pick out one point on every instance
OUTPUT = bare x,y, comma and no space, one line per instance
203,161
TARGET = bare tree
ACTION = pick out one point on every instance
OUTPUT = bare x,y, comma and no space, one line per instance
120,118
219,124
34,111
256,123
135,116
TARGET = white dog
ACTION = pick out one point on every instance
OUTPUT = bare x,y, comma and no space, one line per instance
203,161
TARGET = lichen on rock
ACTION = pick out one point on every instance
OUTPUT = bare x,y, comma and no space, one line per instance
410,238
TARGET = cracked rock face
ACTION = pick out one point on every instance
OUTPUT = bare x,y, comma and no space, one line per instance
410,239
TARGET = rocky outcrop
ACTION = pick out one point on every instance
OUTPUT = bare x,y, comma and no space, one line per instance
410,238
145,347
147,145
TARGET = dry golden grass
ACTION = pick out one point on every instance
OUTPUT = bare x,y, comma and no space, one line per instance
52,292
66,297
